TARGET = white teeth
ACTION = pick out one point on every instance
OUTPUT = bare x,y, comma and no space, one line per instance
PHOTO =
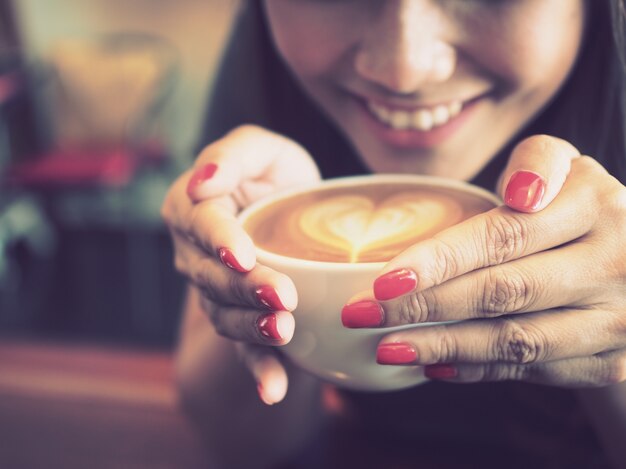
455,107
400,120
422,119
441,115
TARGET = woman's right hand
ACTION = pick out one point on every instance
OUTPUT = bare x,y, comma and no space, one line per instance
245,301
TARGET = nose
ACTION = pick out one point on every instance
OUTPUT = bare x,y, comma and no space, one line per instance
403,49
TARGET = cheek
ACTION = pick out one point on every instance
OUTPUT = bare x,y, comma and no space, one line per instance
312,43
537,53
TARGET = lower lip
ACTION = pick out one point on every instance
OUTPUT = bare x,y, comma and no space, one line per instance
414,139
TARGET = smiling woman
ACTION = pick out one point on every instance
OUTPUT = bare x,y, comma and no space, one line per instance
494,92
428,61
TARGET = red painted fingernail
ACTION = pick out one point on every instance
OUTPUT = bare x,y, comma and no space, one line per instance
268,297
362,314
525,190
229,260
440,371
397,353
268,327
201,174
394,284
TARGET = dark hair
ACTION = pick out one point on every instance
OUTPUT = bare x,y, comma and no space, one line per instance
590,109
254,86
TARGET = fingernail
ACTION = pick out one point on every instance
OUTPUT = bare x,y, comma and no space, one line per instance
440,371
268,297
397,353
259,388
394,284
201,174
268,327
229,260
525,190
362,314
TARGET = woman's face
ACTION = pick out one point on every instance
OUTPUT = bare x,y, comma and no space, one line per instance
429,86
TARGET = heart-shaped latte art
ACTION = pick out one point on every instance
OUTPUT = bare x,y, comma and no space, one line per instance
355,224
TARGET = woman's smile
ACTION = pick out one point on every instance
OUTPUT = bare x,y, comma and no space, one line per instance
415,127
429,87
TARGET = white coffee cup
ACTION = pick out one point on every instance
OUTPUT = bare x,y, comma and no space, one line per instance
321,344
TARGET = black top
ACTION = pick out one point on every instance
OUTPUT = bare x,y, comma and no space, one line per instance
434,425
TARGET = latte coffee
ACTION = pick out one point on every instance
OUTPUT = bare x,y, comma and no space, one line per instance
332,240
368,223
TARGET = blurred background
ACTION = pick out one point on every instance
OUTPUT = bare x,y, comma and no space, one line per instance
100,105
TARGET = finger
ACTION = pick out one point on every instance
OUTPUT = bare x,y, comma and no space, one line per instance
245,165
250,325
495,237
211,225
250,162
262,288
536,172
522,339
603,369
267,370
534,283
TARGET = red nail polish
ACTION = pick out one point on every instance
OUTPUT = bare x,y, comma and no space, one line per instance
398,353
267,327
394,284
201,174
268,297
362,314
525,190
229,260
443,371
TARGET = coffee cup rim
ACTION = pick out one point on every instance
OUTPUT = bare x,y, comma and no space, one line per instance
347,182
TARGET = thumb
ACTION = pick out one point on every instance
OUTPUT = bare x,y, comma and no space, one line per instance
249,163
536,172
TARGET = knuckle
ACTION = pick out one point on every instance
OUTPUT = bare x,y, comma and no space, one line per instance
614,371
245,131
446,263
535,145
193,224
614,200
505,292
589,165
446,348
517,343
247,128
408,312
418,308
542,144
219,326
506,238
180,265
200,275
169,205
237,289
165,210
505,372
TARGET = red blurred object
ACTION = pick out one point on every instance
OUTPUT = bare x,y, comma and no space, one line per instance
110,167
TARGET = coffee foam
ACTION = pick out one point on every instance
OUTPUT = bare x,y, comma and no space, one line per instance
370,223
359,227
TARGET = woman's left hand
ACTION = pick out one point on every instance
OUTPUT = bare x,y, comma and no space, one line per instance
538,284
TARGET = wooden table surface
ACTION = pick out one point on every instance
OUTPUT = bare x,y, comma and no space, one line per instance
71,406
